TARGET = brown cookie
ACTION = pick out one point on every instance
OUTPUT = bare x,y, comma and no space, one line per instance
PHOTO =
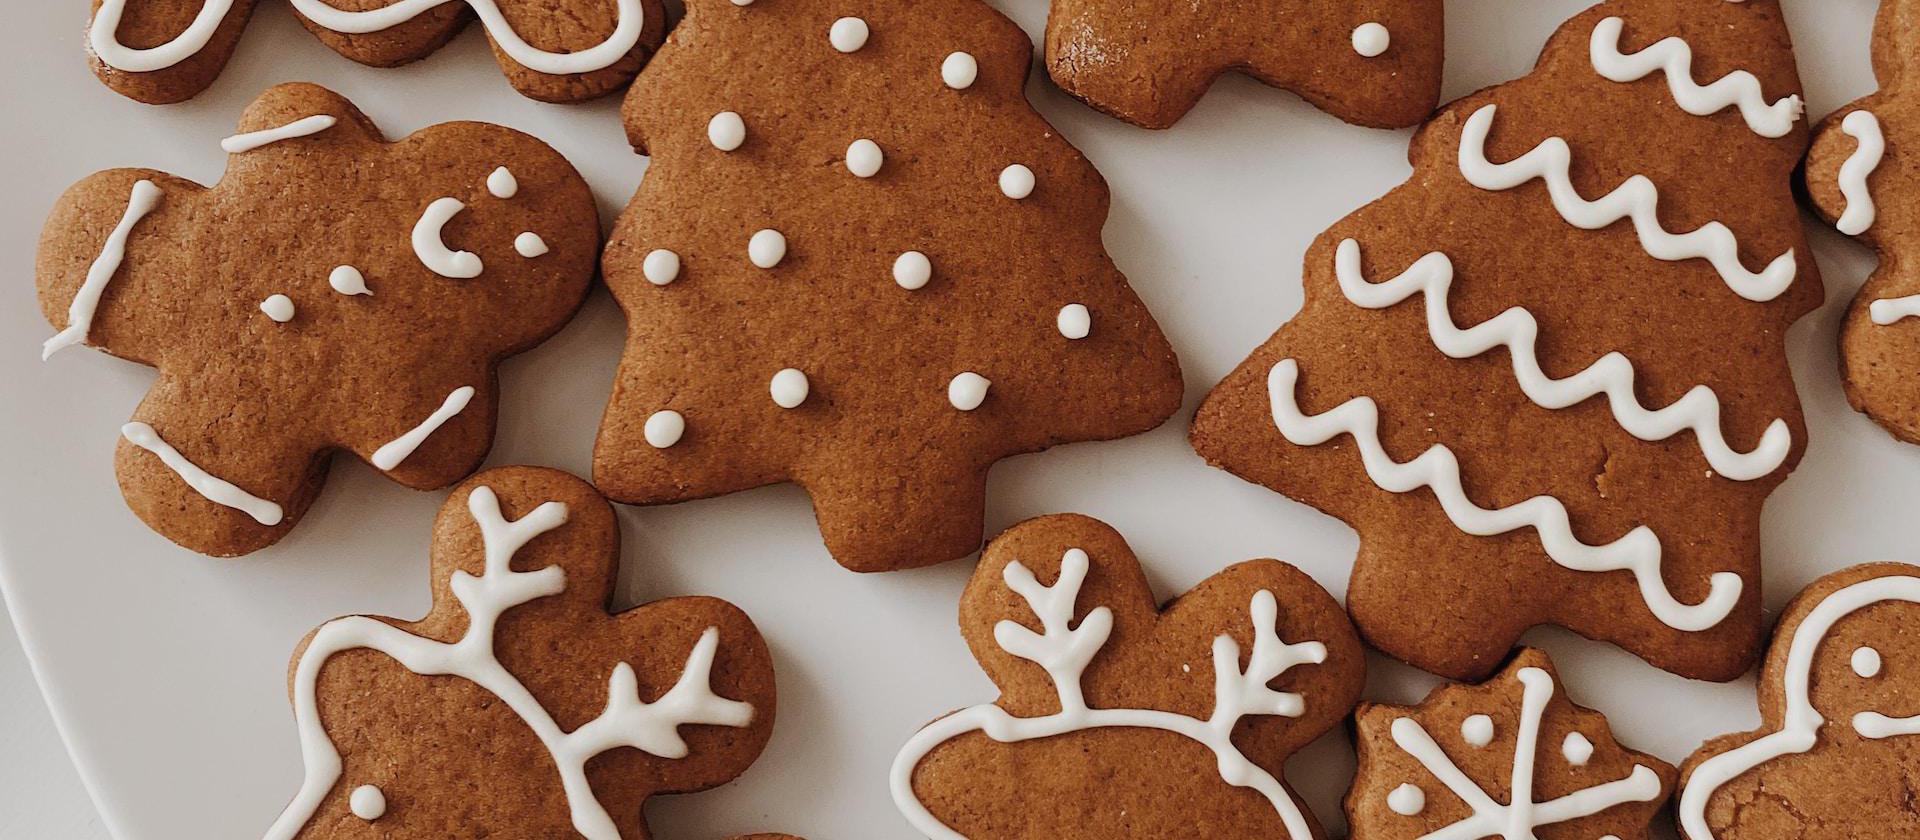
1512,757
1374,63
1864,180
165,51
315,300
1839,702
1118,718
1545,379
518,707
862,263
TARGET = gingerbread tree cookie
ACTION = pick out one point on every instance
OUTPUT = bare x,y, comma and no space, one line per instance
1109,723
1510,758
518,707
862,263
333,292
1840,703
1545,379
1374,63
1862,179
165,51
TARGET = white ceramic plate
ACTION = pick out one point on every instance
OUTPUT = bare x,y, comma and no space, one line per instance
166,671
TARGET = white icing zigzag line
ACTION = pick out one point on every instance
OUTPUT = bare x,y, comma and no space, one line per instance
144,198
627,722
1675,57
1438,469
1637,199
102,36
1064,651
1612,375
216,489
1863,127
1524,814
1800,727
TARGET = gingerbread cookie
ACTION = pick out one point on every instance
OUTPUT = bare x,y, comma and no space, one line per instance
518,707
333,291
1374,63
1509,758
1839,702
1861,179
165,51
862,263
1120,719
1546,379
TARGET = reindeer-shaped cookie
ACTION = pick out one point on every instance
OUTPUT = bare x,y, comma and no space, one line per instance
165,51
333,292
518,707
1839,703
1118,719
1375,63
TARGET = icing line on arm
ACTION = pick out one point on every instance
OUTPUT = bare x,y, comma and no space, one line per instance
86,301
216,490
399,449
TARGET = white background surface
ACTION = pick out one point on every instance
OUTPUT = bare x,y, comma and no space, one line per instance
166,670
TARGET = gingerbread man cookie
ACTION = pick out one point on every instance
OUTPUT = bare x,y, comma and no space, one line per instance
165,51
1374,63
518,707
862,263
1546,378
1511,758
333,292
1120,719
1840,703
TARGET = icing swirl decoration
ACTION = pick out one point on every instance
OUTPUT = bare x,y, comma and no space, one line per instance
1864,128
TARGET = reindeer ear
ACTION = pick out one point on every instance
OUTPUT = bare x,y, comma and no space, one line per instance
111,260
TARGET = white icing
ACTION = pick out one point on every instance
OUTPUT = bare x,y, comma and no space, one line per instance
959,71
530,245
1576,749
1864,128
1477,730
1017,181
661,267
395,452
1637,199
664,429
1065,651
86,300
251,140
348,280
1888,311
864,158
789,388
627,721
767,248
1074,321
502,184
726,131
1675,57
1438,468
968,390
368,803
433,251
216,490
1613,374
1866,663
1407,800
1520,819
278,307
1800,725
848,34
103,38
913,271
1371,39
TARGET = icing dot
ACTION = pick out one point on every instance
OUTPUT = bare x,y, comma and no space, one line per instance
912,271
1477,730
1017,181
727,131
661,265
864,158
790,388
502,184
1866,663
959,71
368,803
348,280
530,245
848,34
278,307
1407,800
767,248
1074,321
1577,749
664,429
1371,39
967,391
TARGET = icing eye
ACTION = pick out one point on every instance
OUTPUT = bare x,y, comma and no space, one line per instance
1477,730
368,803
1407,800
1577,749
1866,663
